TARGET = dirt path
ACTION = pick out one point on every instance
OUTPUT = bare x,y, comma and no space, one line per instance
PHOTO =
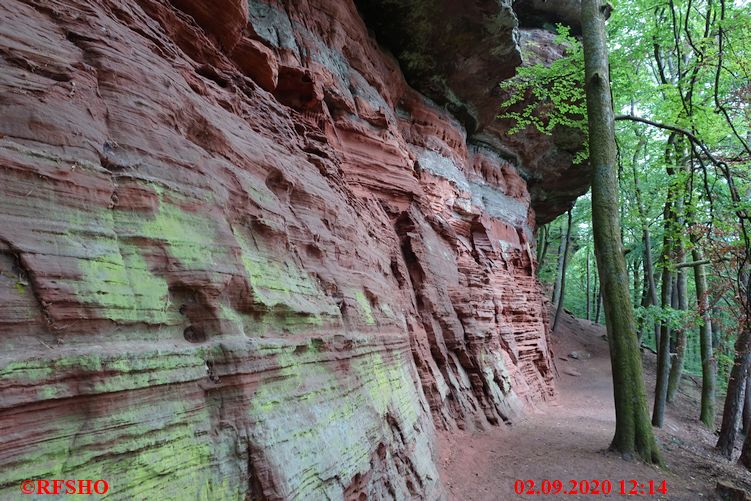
568,439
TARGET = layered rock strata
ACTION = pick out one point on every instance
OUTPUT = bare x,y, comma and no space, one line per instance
241,258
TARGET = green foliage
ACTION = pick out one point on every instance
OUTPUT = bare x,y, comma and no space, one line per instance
674,319
724,365
546,96
668,66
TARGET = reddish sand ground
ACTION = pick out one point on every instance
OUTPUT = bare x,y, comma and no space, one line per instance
568,439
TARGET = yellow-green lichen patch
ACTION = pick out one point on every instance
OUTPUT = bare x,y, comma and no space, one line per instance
389,385
31,371
314,417
150,292
115,280
366,311
190,236
47,393
145,451
122,291
193,240
129,371
280,284
103,373
43,458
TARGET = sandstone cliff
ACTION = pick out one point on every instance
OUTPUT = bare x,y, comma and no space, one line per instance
243,257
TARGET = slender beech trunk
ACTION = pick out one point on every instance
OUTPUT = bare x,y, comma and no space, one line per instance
663,346
747,407
637,297
651,283
562,293
644,302
676,367
542,246
589,310
658,325
559,270
598,306
637,282
633,434
745,458
681,289
731,413
708,362
649,269
663,350
735,396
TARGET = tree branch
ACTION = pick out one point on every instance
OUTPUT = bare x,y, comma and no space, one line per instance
659,125
693,263
687,133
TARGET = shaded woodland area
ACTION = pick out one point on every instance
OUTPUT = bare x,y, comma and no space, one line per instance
681,155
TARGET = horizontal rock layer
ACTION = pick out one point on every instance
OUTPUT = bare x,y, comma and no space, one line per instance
241,258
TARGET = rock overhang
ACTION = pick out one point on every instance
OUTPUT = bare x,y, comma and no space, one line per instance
456,53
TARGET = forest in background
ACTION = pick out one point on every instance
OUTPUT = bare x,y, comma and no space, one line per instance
681,96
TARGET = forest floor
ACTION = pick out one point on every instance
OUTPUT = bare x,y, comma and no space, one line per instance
568,438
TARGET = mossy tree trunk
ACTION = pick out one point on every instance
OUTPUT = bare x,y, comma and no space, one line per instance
663,345
742,346
735,396
745,458
731,413
681,289
589,286
598,303
676,368
708,362
633,433
650,287
559,269
637,283
542,245
669,216
746,427
562,276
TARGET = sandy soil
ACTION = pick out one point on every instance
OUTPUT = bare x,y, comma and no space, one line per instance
568,438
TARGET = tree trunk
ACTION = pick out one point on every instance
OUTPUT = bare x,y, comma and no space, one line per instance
542,246
676,368
637,282
649,271
562,293
650,297
708,362
745,458
731,413
598,305
668,249
633,433
559,270
637,296
663,349
643,324
589,309
747,407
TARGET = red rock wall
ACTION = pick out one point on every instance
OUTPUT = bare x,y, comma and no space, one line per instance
241,258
